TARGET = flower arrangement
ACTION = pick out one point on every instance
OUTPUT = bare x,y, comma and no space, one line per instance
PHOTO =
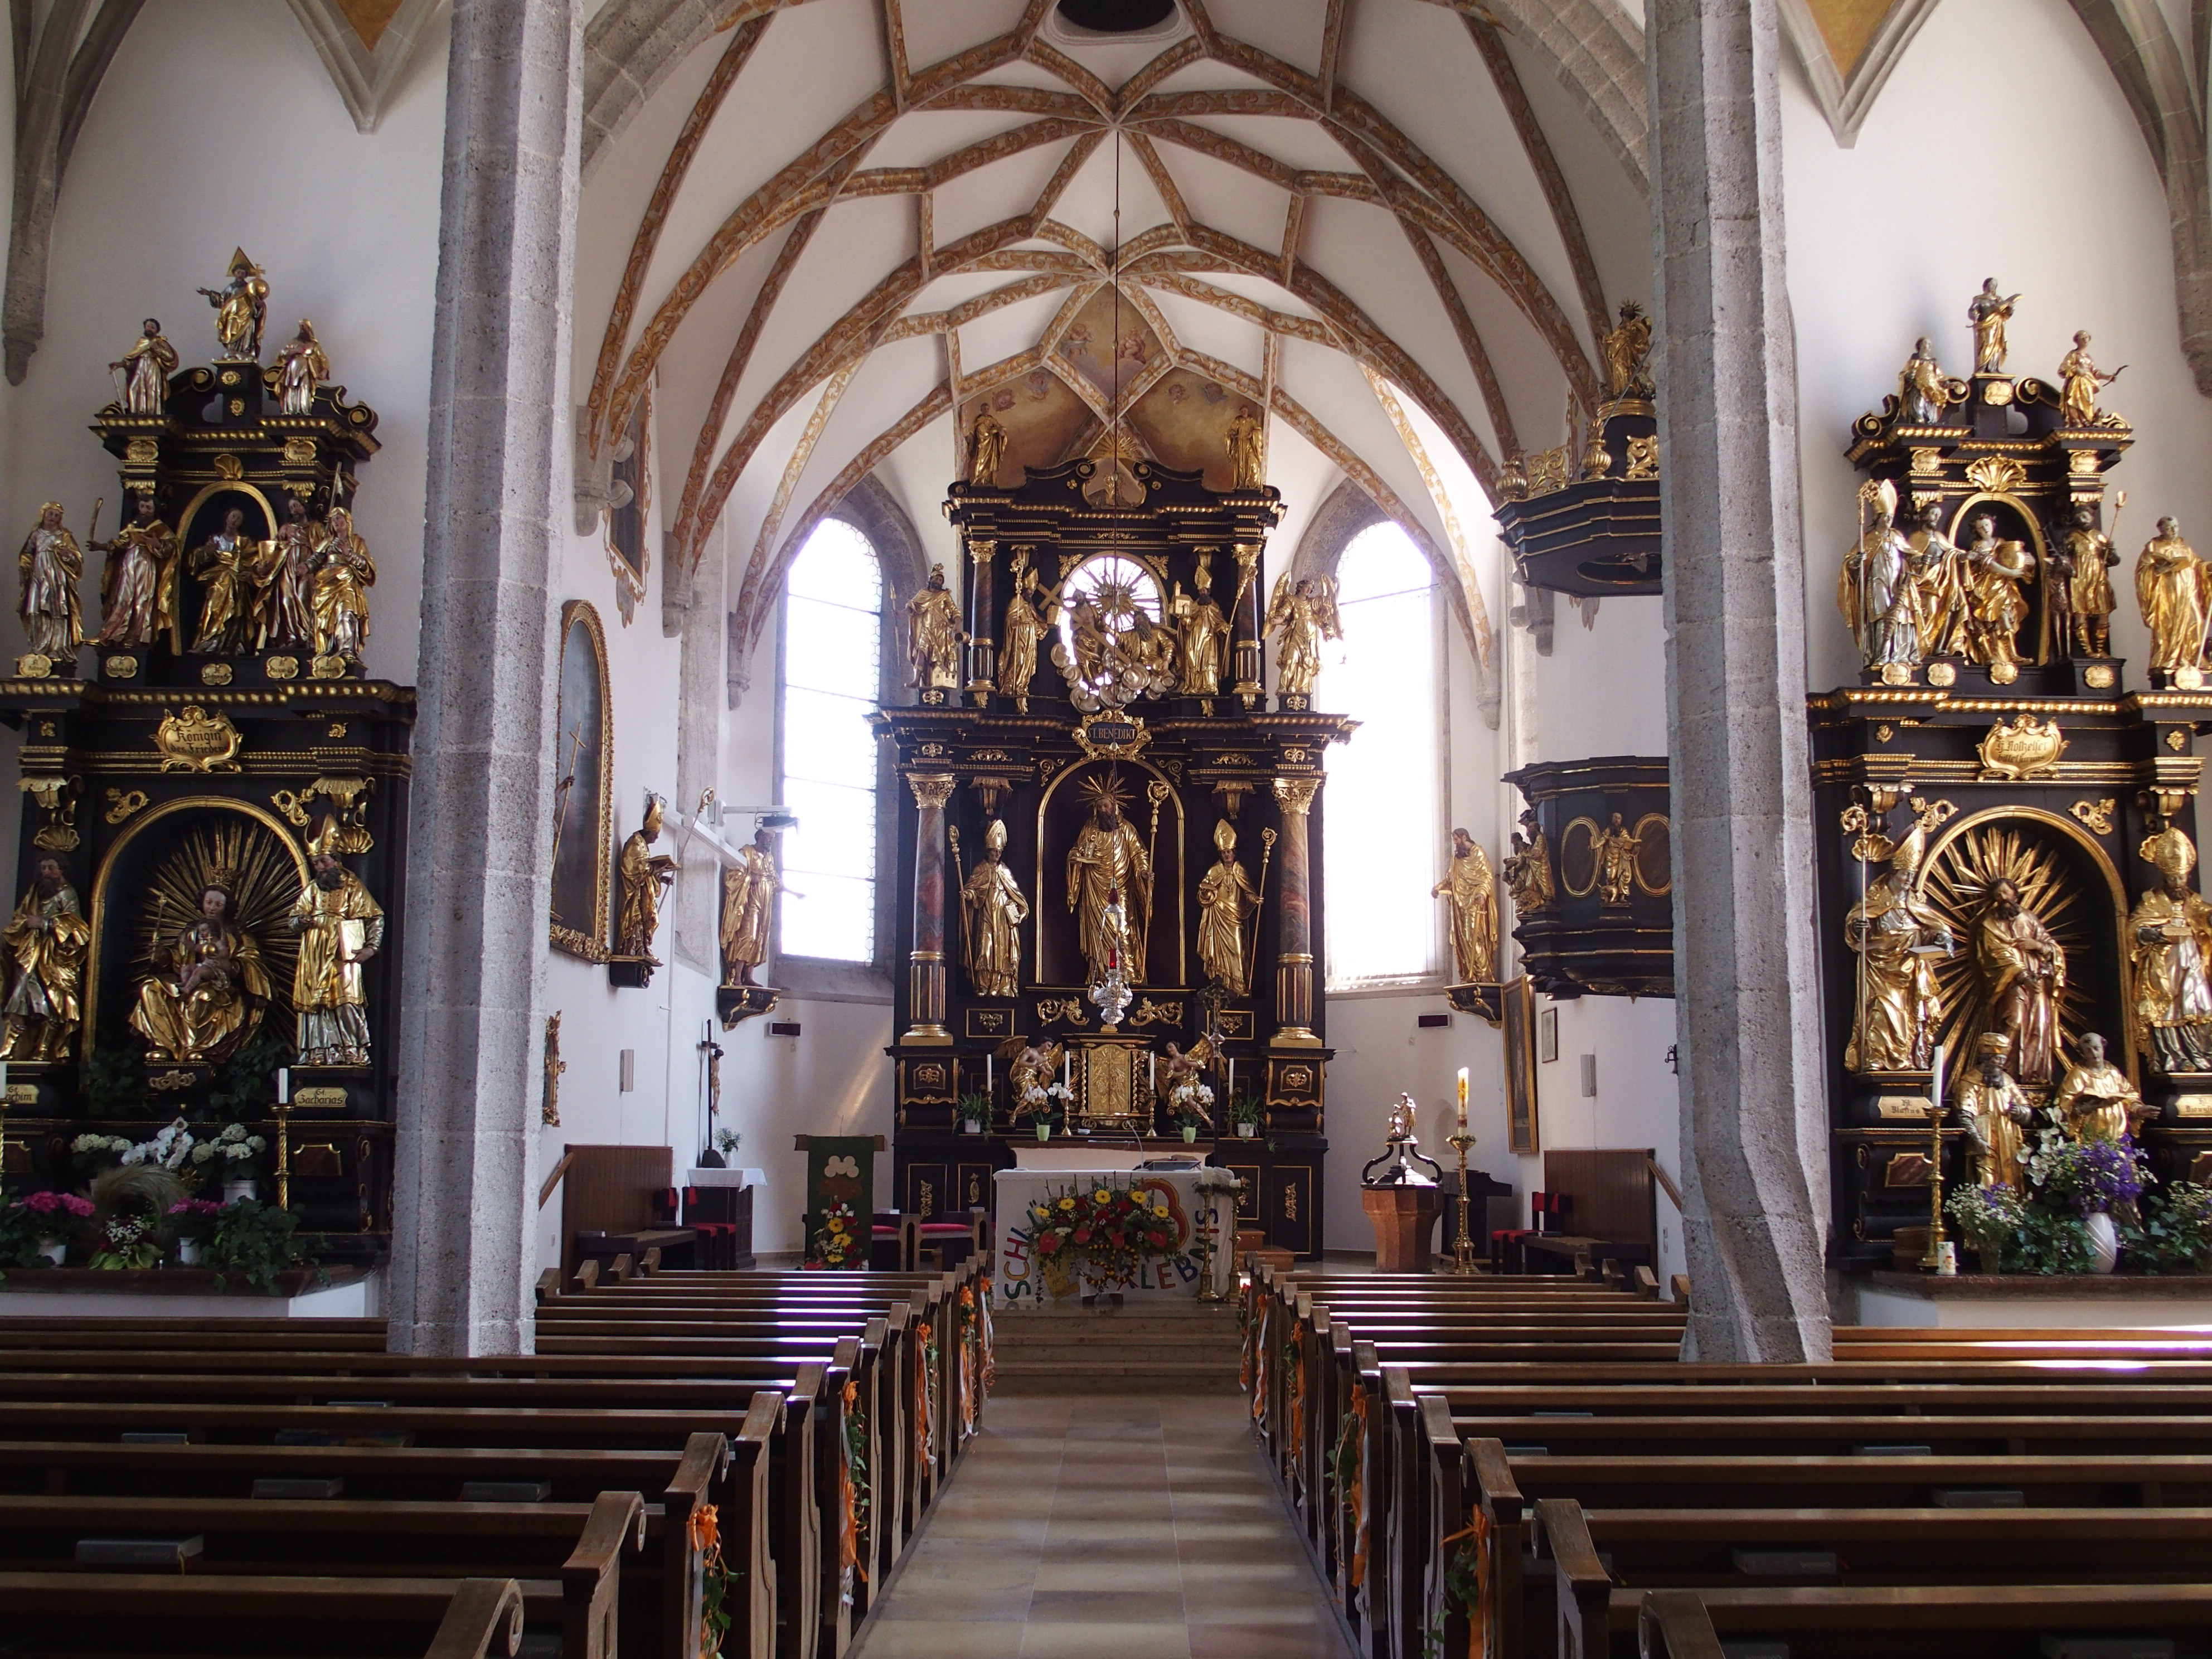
1189,1104
837,1241
1113,1231
126,1242
231,1152
194,1219
175,1149
36,1220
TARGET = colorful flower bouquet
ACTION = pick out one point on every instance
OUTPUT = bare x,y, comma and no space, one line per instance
1108,1233
2084,1203
34,1225
838,1241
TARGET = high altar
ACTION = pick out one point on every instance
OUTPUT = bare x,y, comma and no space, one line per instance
1110,845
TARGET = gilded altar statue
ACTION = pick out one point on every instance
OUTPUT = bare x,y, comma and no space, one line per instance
1615,848
1924,390
2170,585
1878,589
995,912
1225,898
225,562
284,580
2080,380
48,941
645,875
1300,616
52,564
1989,313
301,365
2021,970
241,309
1995,606
1472,892
1626,348
1201,633
2170,960
2095,1100
1247,443
1023,631
749,890
343,575
138,592
987,448
1897,934
1108,861
934,636
208,988
340,927
146,369
1945,584
2083,561
1996,1116
1527,868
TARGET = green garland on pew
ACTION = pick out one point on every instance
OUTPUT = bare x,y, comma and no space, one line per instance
714,1577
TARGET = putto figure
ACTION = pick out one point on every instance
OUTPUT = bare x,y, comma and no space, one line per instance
241,309
1472,890
645,875
208,989
47,941
934,635
1988,312
301,365
749,890
340,927
996,911
138,593
52,564
146,369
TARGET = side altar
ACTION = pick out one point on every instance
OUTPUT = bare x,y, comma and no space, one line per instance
212,848
1109,884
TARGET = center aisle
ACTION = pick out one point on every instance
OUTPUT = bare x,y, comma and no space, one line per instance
1088,1526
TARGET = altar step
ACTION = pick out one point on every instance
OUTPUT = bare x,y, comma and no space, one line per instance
1191,1350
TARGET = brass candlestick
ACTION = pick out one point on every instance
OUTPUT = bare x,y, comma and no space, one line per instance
1463,1246
1209,1232
284,1154
1933,1261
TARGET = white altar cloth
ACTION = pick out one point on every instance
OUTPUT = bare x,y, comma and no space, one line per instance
1023,1281
1046,1156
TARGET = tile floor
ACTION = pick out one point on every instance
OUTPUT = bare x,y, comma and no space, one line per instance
1108,1527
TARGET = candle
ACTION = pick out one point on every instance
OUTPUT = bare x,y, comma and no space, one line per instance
1462,1100
1068,1069
283,1085
1152,1073
987,1074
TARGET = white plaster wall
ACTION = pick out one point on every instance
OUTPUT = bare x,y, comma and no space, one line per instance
2078,225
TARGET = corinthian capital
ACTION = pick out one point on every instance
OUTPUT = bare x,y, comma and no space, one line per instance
1296,794
931,789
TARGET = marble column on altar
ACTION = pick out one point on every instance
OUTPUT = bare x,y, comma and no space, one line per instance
1244,624
1294,962
982,607
926,982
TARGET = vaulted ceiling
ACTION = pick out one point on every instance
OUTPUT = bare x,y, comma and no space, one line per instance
820,238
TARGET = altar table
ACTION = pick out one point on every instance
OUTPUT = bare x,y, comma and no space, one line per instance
1021,1281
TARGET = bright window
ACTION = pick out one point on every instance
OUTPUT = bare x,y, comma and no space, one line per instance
1382,815
832,667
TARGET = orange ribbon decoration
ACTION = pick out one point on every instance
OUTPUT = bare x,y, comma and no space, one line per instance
1483,1533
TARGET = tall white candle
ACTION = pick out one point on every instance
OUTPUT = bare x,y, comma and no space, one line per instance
987,1073
283,1085
1462,1100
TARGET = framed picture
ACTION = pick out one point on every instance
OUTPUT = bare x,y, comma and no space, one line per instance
583,786
1548,1035
628,555
1521,1066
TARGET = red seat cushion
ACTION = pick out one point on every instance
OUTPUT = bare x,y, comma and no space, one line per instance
886,1232
960,1227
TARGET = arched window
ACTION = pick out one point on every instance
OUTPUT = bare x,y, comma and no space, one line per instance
1382,819
832,666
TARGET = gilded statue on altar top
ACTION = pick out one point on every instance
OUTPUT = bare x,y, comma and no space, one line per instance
749,890
987,448
225,563
284,580
209,987
1989,313
934,635
343,574
340,927
1226,897
1626,348
1924,390
52,564
1878,588
1896,934
1945,585
645,875
1247,443
1300,616
994,912
146,369
2169,959
2095,1099
2171,588
1472,890
2080,381
241,309
1023,631
1995,1114
1202,632
1108,862
138,591
301,365
48,942
1995,569
2083,560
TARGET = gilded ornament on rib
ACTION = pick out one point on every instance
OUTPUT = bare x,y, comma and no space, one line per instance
2096,816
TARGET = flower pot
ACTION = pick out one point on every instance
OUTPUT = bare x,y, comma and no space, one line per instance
1044,1131
54,1249
971,1127
1246,1130
2104,1244
235,1190
1190,1134
188,1252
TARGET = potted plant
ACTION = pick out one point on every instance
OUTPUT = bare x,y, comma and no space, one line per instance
1246,1113
2094,1178
229,1158
1187,1107
254,1241
192,1220
36,1228
974,1112
2172,1232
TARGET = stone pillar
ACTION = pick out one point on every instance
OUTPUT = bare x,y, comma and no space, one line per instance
469,1037
1244,624
1294,962
1755,1129
925,961
982,625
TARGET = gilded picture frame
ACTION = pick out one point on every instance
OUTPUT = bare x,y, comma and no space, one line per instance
1520,1028
583,787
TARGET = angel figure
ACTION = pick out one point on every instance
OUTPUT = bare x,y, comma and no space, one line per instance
1183,1075
1301,616
2080,380
1032,1066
